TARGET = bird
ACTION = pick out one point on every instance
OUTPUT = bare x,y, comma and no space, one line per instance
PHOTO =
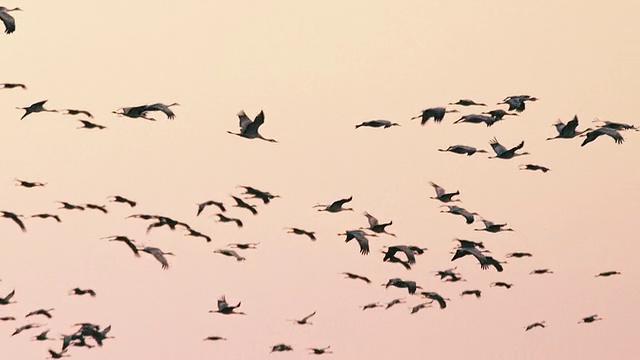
45,312
29,184
590,319
463,149
203,205
616,125
244,246
371,306
376,226
7,299
7,318
608,273
437,113
336,206
541,271
418,307
12,85
121,199
448,273
100,208
134,112
77,112
89,125
503,153
534,325
265,196
126,240
410,285
242,204
467,102
158,254
436,297
9,22
519,254
164,108
492,227
214,338
501,284
377,123
534,167
395,260
26,327
477,119
304,320
42,336
498,114
15,218
485,261
477,293
298,231
281,347
356,277
442,195
456,210
392,250
517,102
320,351
68,206
222,218
225,308
194,233
58,355
232,253
568,130
394,302
594,134
78,291
360,237
469,244
249,129
35,107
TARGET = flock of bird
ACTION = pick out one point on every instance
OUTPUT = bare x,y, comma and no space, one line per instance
406,255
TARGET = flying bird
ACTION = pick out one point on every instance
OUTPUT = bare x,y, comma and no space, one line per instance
357,277
320,351
519,254
616,125
121,199
194,233
203,205
89,125
492,227
568,130
214,338
392,250
437,113
371,306
594,134
376,226
42,336
35,107
534,167
517,102
15,218
78,291
45,312
541,271
100,208
360,237
225,308
281,347
377,123
231,253
590,319
304,320
57,355
501,284
498,114
336,206
608,273
77,112
463,149
12,86
9,24
410,285
29,184
418,307
26,327
7,299
249,129
265,196
158,254
469,244
134,112
68,206
456,210
477,119
503,153
393,302
442,194
467,102
477,293
485,261
436,297
164,108
540,324
298,231
244,246
125,240
242,204
222,218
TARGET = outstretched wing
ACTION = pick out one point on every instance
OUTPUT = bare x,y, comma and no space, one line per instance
439,190
497,147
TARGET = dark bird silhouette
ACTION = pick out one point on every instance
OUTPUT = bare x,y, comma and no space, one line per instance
568,130
77,112
519,254
45,312
42,336
395,260
392,250
26,327
485,261
304,320
68,206
492,227
214,338
378,123
534,167
222,218
249,129
371,306
498,114
58,355
265,196
29,184
442,194
590,319
281,347
517,102
357,277
164,108
78,291
194,233
12,86
616,125
298,231
393,302
7,318
463,149
7,299
225,308
244,246
501,284
100,208
608,273
469,244
419,307
46,216
436,297
467,102
456,210
437,113
477,293
541,271
203,205
158,254
503,153
320,351
242,204
15,218
336,206
477,119
410,285
89,125
231,253
534,325
360,237
9,25
376,226
126,240
35,107
448,273
121,199
594,134
134,112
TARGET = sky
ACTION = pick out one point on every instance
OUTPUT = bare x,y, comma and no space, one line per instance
317,70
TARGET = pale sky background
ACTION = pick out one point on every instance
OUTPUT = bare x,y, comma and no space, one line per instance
317,69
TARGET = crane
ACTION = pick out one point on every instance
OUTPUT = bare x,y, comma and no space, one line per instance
45,312
194,233
357,277
244,246
242,204
7,299
590,319
410,285
608,273
89,125
26,327
231,253
517,102
29,184
376,226
214,338
226,309
360,237
442,194
541,271
498,114
15,218
203,205
122,199
418,307
46,216
477,119
134,112
503,153
249,129
371,306
437,113
463,149
568,130
467,102
336,206
392,250
442,301
456,210
492,227
12,86
222,218
158,254
304,320
35,107
320,351
281,347
519,254
298,231
540,324
378,123
78,291
265,196
594,134
501,284
534,167
77,112
125,240
477,293
9,22
164,108
485,261
394,302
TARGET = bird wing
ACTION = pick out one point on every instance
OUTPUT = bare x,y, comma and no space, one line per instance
363,242
518,147
497,147
222,303
372,220
614,134
570,128
9,22
439,190
339,203
244,121
304,319
157,253
161,107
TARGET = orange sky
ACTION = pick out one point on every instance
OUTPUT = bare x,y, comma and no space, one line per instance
317,71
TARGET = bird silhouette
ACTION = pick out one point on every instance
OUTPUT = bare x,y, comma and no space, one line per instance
418,307
410,285
594,134
265,196
456,210
298,231
12,85
7,299
320,351
225,308
476,293
281,347
164,108
442,194
590,319
442,301
222,218
360,237
44,312
477,119
304,320
437,113
336,206
158,254
249,129
78,291
503,153
568,130
467,102
534,167
485,261
501,284
492,227
242,204
9,22
498,114
357,277
463,149
378,123
540,324
608,273
77,112
29,184
15,218
376,226
35,107
125,240
121,199
231,253
203,205
89,125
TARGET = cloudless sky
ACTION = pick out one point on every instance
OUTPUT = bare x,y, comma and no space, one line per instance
317,70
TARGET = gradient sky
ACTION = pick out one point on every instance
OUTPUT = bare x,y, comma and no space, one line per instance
317,70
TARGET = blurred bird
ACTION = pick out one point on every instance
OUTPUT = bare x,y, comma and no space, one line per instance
12,85
360,237
492,227
121,199
371,306
225,308
616,125
244,246
357,277
78,291
29,184
534,167
126,240
68,206
540,272
26,327
42,336
242,204
467,102
501,284
77,112
214,338
281,347
392,250
45,312
231,253
89,125
517,102
437,113
377,123
35,107
58,355
410,285
9,27
336,206
100,208
15,218
442,301
463,149
203,205
485,261
442,194
590,319
534,325
499,114
194,233
265,196
298,231
376,226
568,130
320,351
608,273
304,320
418,307
456,210
7,299
477,293
222,218
158,254
519,254
477,119
164,108
394,302
249,129
594,134
503,153
134,112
